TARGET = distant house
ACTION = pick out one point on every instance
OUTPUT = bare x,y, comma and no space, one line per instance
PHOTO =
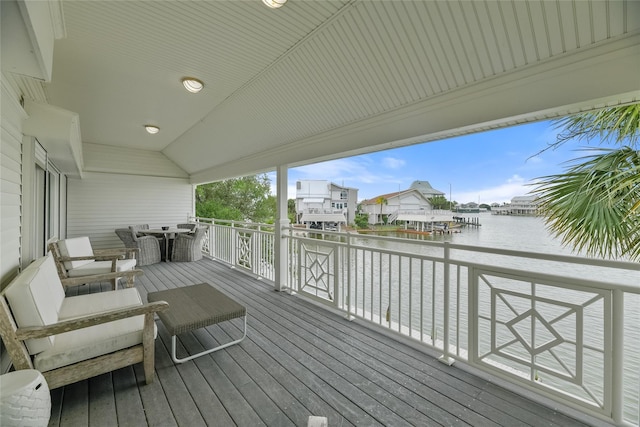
398,203
323,204
470,207
520,205
426,189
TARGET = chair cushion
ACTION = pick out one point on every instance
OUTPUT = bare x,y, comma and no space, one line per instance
35,298
76,247
97,303
83,344
101,267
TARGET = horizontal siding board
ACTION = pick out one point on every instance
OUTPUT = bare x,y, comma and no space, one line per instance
10,144
100,203
103,158
10,192
9,174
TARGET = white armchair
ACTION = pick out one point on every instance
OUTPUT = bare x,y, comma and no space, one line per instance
69,339
75,258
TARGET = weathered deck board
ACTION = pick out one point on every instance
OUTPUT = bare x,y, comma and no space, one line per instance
297,360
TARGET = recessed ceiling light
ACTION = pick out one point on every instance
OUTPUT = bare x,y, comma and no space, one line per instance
152,129
192,84
274,4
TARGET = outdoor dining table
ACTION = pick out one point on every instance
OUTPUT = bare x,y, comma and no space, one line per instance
167,234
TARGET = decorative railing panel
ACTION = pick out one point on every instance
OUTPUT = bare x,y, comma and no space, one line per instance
317,270
572,336
548,333
246,246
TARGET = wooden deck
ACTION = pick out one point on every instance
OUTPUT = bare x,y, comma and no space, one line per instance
297,360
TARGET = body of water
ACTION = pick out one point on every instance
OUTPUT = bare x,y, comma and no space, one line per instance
530,234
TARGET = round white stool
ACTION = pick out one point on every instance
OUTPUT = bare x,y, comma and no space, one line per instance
24,399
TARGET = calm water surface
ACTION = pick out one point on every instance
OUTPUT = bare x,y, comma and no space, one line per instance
527,234
530,234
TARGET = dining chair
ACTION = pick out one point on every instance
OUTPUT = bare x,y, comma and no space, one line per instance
149,247
188,246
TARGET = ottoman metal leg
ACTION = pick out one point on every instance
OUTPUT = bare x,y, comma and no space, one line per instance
202,353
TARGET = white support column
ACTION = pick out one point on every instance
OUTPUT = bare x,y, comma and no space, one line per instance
281,262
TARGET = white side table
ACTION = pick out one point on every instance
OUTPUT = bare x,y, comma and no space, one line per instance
24,399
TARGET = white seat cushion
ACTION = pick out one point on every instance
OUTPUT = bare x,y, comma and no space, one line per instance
97,303
75,346
101,267
83,344
75,247
35,298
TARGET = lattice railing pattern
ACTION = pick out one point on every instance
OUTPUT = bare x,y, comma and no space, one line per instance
317,271
546,334
244,245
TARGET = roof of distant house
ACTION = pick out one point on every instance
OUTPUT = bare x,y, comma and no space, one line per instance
425,187
374,200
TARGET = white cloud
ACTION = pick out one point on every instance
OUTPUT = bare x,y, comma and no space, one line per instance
393,163
354,172
514,186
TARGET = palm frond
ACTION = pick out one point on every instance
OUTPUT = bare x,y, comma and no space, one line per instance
593,205
620,125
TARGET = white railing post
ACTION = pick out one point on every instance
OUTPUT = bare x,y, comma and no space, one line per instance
234,244
348,267
617,356
212,240
282,223
446,356
472,324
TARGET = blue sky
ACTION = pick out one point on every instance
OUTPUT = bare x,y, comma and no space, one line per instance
488,167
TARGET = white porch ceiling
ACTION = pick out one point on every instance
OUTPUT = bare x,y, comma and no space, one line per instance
322,79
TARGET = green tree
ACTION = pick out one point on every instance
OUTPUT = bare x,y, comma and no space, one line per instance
361,220
291,211
439,202
241,199
594,204
381,201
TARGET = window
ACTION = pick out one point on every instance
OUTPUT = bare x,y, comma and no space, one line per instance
344,195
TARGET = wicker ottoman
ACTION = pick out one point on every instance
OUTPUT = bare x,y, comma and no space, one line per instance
194,307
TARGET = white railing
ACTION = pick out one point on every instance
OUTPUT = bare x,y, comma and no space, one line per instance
565,327
246,246
324,211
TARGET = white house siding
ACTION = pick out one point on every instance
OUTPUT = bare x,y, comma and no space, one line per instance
10,184
10,192
101,202
412,202
103,158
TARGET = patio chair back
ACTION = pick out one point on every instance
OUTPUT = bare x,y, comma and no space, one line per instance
148,245
188,247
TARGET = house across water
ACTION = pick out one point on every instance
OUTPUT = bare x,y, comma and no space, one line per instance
325,205
520,205
413,209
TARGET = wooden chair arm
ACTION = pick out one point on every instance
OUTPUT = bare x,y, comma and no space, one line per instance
90,320
81,280
108,253
92,257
